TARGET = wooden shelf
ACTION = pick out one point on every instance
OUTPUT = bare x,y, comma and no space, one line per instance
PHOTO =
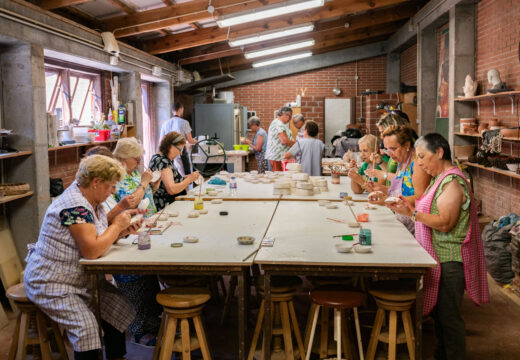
492,169
9,198
72,146
480,136
488,96
15,154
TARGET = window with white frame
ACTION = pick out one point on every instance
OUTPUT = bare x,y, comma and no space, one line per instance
73,95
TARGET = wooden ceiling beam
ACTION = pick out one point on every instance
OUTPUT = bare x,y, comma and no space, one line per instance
122,6
172,43
356,22
177,14
168,2
56,4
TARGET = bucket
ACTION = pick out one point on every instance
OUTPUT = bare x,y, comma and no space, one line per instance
285,162
101,135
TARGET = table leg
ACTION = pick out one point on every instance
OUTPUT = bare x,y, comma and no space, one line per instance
242,325
95,283
418,318
267,316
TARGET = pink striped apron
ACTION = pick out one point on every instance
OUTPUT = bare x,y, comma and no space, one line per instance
472,251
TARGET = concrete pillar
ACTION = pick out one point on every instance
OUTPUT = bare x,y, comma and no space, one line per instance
462,62
426,78
393,72
130,92
24,111
162,106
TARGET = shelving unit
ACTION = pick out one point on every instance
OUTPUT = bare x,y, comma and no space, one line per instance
9,198
492,169
492,97
15,154
72,146
480,136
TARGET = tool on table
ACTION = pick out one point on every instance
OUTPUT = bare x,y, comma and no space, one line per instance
345,235
198,202
264,237
352,210
336,220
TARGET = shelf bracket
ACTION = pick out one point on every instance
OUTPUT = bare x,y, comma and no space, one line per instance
478,107
494,106
512,104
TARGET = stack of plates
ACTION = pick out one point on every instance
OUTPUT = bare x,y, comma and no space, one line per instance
282,187
294,167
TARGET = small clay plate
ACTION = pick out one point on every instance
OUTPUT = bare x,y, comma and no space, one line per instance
344,248
245,240
363,249
191,239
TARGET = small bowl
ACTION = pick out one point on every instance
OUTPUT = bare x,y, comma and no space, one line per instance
363,249
191,239
331,206
213,193
216,201
344,248
513,167
245,240
173,213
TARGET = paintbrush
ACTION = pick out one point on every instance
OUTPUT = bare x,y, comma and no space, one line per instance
347,199
345,235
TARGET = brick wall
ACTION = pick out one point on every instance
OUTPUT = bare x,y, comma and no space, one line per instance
498,31
409,65
371,114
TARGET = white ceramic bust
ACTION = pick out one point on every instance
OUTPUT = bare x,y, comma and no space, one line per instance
494,79
470,86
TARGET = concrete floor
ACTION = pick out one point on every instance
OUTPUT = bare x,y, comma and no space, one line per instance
492,330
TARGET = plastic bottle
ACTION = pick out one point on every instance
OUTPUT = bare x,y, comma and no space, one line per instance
121,115
233,186
110,114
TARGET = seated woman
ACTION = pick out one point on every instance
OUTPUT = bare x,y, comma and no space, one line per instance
172,183
139,289
259,143
446,225
368,147
129,152
411,180
75,226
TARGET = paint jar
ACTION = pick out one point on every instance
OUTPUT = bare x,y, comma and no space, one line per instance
365,237
198,203
334,178
143,241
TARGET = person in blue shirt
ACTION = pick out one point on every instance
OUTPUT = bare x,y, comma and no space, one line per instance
178,124
259,142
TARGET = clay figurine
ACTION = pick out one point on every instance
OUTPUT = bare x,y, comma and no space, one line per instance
470,87
494,79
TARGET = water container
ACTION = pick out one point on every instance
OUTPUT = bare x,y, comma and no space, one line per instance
233,186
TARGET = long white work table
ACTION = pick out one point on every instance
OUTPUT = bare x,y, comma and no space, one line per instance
253,192
216,253
304,245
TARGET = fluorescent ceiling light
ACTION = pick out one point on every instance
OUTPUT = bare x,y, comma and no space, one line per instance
265,12
279,49
270,35
282,59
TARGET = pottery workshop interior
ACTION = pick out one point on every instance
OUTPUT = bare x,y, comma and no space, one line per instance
259,179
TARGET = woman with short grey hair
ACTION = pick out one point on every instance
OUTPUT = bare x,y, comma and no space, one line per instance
259,143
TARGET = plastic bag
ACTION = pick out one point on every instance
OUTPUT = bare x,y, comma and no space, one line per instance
497,250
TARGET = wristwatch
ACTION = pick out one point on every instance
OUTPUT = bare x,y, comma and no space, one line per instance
414,215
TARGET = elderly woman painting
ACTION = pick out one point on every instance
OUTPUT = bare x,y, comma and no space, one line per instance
75,226
446,225
259,143
411,180
368,146
172,183
129,152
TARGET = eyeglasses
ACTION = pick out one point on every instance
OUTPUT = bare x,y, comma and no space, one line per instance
392,150
137,160
178,148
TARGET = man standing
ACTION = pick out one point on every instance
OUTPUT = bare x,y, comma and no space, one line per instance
177,123
279,138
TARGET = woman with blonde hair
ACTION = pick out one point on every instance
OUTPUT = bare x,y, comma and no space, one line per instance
75,226
368,146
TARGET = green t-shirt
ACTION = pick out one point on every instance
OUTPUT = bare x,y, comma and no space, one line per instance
447,246
364,167
391,166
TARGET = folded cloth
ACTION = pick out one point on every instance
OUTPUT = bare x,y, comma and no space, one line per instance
217,181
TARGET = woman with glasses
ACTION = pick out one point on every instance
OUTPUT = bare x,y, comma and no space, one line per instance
139,289
172,184
129,152
410,180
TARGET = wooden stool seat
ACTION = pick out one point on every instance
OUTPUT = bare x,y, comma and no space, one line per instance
280,283
180,280
32,328
183,297
181,305
338,298
394,302
394,295
17,293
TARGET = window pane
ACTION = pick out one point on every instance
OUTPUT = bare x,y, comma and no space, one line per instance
50,83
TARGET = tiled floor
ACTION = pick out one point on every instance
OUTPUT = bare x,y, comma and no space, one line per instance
492,330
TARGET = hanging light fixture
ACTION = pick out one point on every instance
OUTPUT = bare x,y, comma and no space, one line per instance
279,49
270,35
282,59
265,12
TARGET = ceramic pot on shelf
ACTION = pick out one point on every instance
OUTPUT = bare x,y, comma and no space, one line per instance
494,123
482,127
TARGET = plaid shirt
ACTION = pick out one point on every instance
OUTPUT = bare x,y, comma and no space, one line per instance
472,252
55,281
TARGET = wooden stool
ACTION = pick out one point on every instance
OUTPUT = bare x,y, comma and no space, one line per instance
282,314
181,304
338,300
28,312
393,301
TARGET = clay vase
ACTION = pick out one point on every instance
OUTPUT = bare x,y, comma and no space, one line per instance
494,122
482,127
